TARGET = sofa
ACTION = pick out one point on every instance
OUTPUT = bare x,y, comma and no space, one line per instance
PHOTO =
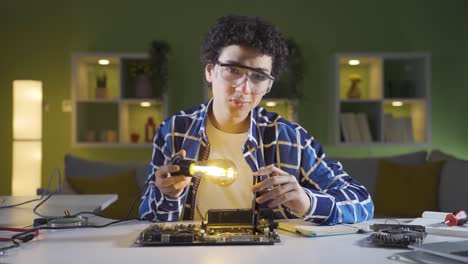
401,186
127,180
407,185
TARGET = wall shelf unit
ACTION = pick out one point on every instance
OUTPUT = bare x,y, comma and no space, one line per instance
113,97
381,99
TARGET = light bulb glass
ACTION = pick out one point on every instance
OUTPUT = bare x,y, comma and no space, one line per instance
219,171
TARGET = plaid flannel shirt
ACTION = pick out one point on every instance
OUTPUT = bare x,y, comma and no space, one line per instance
335,196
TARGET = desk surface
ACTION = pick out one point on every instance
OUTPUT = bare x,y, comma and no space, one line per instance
23,215
114,244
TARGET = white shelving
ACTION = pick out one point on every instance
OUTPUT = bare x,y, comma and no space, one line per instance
113,101
392,92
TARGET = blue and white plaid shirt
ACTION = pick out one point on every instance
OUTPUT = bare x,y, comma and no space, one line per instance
335,196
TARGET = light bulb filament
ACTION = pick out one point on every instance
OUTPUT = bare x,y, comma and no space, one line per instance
213,171
222,172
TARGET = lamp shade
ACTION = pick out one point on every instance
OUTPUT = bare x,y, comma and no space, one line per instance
27,110
27,137
27,166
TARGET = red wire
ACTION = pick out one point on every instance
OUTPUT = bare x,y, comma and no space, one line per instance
18,230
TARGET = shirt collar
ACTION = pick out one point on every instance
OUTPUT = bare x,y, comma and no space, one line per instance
253,129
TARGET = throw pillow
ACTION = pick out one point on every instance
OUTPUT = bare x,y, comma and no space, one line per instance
65,187
76,167
122,184
407,190
364,170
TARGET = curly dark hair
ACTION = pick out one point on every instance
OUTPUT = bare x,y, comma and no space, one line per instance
250,32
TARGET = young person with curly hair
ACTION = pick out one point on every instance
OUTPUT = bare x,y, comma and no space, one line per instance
242,57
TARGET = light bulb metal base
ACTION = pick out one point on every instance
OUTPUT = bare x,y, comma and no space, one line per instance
183,164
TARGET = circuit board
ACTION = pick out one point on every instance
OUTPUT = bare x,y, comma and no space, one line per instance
223,227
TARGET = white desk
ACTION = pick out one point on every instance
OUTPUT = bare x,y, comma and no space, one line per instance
23,215
114,244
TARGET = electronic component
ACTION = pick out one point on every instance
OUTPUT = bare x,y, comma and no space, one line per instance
223,227
64,221
457,218
397,235
68,221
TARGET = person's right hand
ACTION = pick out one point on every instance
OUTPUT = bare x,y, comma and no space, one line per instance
171,185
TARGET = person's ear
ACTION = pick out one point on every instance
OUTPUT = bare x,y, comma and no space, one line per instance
209,72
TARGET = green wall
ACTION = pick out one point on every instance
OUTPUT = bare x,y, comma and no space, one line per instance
38,37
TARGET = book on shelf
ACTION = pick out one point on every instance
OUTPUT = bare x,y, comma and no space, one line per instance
434,224
309,229
344,127
398,129
364,130
388,123
355,127
408,127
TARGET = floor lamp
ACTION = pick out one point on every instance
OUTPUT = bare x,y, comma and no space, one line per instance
27,137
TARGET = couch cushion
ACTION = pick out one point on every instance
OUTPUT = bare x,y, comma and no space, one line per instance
453,182
77,167
407,190
365,170
122,184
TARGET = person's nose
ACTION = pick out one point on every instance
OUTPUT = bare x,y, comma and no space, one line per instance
245,86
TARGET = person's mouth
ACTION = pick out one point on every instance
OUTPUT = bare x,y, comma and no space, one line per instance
239,102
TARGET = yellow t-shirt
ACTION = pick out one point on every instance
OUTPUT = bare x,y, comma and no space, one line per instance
237,195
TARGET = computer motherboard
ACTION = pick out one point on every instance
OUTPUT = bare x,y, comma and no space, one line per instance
222,227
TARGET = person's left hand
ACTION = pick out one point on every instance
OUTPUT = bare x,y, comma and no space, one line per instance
281,188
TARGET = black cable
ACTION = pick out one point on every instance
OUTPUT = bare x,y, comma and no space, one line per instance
15,205
53,173
26,236
139,194
134,202
39,204
23,236
4,249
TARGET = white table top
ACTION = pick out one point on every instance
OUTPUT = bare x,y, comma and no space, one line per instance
55,206
115,244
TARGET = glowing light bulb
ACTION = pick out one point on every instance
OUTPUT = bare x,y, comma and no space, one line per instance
219,171
354,62
104,62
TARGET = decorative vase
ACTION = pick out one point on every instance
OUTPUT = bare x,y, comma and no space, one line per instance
111,136
101,86
150,130
134,137
90,135
354,92
143,87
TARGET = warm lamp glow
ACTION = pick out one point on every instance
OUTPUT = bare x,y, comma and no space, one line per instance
27,137
27,162
27,110
397,103
145,104
270,104
354,62
218,171
103,62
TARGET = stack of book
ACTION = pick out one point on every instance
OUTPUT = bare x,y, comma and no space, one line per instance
398,129
355,128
